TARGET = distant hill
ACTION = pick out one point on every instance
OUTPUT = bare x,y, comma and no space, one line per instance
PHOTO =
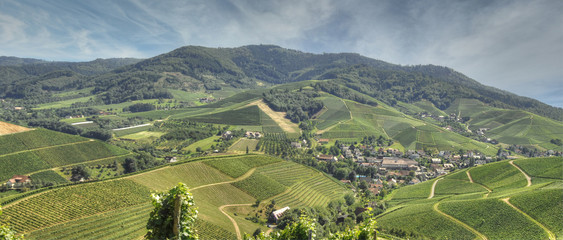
15,61
198,69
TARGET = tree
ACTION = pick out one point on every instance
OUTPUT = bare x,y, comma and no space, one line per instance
246,149
80,172
130,165
174,215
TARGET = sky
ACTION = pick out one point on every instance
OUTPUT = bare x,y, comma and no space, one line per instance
514,45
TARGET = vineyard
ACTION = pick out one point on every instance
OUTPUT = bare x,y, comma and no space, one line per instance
493,218
48,177
34,139
245,116
236,167
192,174
542,167
468,203
260,186
277,144
70,203
315,191
336,112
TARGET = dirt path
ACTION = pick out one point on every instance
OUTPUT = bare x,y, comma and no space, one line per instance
278,117
480,235
549,233
469,176
237,230
433,187
525,175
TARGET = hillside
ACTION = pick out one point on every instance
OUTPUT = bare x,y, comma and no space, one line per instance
494,201
119,208
35,150
199,69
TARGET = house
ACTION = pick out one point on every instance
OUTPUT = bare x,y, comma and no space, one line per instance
18,181
414,181
171,159
324,140
436,160
296,144
448,166
249,134
227,135
324,157
276,215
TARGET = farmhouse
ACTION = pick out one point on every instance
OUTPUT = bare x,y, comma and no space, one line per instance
296,144
398,163
18,181
276,215
324,140
227,135
249,134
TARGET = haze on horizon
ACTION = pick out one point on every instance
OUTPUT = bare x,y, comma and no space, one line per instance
512,45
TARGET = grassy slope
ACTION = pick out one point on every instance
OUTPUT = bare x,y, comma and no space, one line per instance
486,213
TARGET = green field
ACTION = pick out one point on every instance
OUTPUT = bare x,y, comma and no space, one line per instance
40,149
244,116
336,111
470,203
241,145
542,167
48,176
236,167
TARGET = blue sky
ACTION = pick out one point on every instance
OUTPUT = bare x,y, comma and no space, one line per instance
512,45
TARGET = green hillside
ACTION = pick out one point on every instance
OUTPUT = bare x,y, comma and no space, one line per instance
465,209
119,208
39,149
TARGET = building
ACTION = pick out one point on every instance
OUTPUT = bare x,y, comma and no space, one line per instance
276,215
324,157
18,181
296,144
395,163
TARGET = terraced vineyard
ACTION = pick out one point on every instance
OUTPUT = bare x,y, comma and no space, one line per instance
511,211
118,208
39,149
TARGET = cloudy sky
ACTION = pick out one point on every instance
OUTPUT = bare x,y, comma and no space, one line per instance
515,45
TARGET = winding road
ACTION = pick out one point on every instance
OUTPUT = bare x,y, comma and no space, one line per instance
522,171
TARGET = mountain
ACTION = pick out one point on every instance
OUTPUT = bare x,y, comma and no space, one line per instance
15,61
196,68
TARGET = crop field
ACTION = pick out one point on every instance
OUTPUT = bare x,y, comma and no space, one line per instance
542,167
48,176
131,131
37,138
315,191
546,206
124,223
499,175
458,175
493,218
336,112
237,166
8,128
69,203
76,153
286,172
192,174
260,186
421,190
143,136
421,219
452,186
204,144
243,144
19,164
244,116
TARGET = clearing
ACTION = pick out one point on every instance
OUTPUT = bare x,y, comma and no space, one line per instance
278,117
8,128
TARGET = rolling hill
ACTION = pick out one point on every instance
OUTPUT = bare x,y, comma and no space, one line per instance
494,201
221,186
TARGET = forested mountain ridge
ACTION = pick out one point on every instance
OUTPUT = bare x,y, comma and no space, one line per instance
198,69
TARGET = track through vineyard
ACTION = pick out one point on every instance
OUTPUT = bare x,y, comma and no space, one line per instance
549,233
522,171
480,235
43,148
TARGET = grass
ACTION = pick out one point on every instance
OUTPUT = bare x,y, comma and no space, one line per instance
493,218
204,144
551,167
241,145
143,135
192,174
